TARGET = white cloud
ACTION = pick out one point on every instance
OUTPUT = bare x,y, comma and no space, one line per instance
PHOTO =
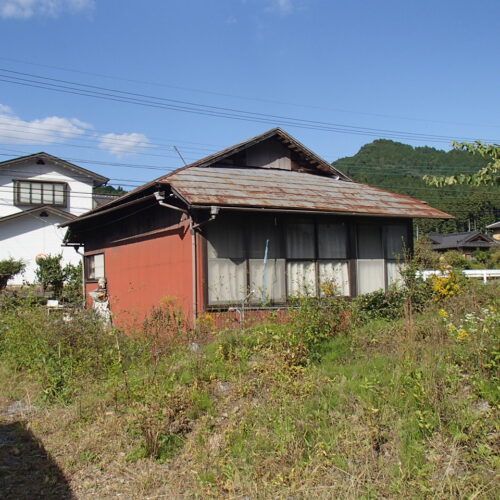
24,9
14,130
4,109
122,144
282,6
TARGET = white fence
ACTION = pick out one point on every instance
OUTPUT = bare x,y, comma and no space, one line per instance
484,274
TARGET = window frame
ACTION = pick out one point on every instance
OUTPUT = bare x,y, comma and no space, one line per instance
87,258
350,260
282,224
17,193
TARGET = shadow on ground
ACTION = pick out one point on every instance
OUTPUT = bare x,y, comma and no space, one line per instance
27,471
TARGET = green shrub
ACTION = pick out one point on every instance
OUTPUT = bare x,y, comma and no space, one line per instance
486,259
456,260
50,273
381,304
8,269
60,352
65,282
72,291
423,255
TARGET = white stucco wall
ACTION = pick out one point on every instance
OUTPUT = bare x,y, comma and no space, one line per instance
79,186
29,235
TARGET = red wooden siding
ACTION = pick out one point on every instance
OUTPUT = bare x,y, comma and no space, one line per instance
145,273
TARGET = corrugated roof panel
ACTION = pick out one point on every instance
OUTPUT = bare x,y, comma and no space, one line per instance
279,189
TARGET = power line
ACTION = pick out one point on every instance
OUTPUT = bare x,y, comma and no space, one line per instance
248,98
202,109
81,133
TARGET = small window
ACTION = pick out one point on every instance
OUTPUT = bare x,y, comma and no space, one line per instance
94,266
27,192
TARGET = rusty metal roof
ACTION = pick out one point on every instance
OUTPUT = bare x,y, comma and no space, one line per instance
284,189
220,179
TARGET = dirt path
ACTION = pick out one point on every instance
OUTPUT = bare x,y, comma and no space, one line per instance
27,471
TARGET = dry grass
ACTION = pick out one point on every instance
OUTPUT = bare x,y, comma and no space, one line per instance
390,409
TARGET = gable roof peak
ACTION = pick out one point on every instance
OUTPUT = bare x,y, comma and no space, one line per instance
98,179
313,160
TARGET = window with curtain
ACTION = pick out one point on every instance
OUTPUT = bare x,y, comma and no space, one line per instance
227,276
300,254
370,264
266,259
332,254
94,267
266,265
395,246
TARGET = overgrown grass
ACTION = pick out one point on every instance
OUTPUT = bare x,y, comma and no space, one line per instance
336,403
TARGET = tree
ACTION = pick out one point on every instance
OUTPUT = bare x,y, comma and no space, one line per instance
8,269
486,176
109,190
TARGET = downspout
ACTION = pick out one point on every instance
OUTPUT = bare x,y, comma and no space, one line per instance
194,245
160,196
194,270
84,290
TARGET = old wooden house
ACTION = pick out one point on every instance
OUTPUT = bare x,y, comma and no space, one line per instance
254,224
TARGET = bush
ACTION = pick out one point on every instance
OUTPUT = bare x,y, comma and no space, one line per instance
65,282
381,304
61,353
486,259
455,259
315,321
8,269
424,257
72,291
50,274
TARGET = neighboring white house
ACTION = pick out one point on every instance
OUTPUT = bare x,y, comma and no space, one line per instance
37,193
495,229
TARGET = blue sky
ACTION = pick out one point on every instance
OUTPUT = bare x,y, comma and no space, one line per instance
425,70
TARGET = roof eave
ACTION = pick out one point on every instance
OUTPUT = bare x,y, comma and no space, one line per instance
48,208
259,208
98,179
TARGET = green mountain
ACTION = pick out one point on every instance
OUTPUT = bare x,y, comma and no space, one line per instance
400,167
110,190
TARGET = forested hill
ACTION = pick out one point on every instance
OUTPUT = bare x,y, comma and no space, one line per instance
400,167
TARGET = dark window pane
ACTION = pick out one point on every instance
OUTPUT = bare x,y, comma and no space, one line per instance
300,240
370,242
263,238
395,241
332,241
225,240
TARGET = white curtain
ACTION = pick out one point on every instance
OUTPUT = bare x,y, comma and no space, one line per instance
226,281
335,273
99,265
370,264
267,280
301,278
227,278
394,273
370,275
